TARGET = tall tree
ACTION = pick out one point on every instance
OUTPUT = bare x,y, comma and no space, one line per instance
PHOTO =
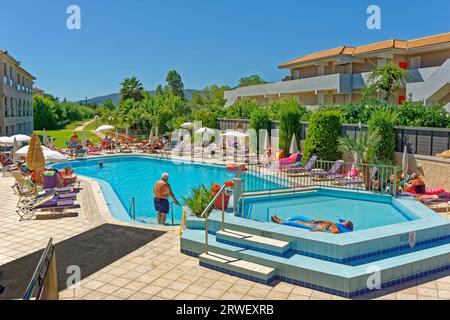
174,84
251,80
159,90
131,88
386,80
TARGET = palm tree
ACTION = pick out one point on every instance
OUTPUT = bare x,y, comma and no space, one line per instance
131,88
386,79
359,148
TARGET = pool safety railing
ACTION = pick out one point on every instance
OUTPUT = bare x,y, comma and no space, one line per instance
44,282
205,214
382,179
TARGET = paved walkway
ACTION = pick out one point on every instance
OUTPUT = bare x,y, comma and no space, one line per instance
158,270
81,128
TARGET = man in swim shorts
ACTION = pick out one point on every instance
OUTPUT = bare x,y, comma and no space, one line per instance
318,225
162,191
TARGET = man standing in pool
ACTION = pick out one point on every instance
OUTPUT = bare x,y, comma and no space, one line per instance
162,191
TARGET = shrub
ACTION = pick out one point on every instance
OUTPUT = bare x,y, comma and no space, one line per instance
208,118
275,107
241,109
198,199
323,134
259,120
289,116
383,149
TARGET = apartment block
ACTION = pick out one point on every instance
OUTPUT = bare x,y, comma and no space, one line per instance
16,94
337,76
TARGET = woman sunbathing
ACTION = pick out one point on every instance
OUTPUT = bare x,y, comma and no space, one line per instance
316,225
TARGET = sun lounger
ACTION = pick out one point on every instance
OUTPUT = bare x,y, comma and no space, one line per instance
433,202
356,180
309,166
333,173
48,202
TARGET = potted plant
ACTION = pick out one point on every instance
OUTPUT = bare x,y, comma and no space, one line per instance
225,195
198,199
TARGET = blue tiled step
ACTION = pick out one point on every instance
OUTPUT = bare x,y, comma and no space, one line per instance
237,267
253,242
328,276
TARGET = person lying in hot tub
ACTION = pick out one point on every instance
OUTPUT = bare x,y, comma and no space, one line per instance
316,225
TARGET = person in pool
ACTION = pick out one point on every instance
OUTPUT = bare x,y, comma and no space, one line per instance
318,225
162,191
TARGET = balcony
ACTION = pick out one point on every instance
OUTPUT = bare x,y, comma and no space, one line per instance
340,83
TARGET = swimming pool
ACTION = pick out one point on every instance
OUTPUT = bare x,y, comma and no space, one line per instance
124,177
364,213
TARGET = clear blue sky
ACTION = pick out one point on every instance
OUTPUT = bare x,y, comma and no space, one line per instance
207,41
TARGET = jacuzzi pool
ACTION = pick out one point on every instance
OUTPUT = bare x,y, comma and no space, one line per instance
395,240
365,213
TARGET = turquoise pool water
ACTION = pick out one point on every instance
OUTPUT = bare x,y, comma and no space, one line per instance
135,176
372,212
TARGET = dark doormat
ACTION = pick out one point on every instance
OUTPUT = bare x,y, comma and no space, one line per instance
91,251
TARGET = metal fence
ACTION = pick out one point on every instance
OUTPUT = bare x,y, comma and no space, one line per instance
341,175
417,140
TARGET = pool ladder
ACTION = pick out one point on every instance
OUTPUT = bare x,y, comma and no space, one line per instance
132,211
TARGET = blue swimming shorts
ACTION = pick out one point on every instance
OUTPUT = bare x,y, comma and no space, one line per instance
162,205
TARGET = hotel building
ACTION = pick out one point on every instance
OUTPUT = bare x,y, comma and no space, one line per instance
16,94
337,76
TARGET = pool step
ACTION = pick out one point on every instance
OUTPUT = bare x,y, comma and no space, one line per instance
253,242
237,267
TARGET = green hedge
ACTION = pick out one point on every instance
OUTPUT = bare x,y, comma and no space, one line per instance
289,116
383,149
323,133
208,118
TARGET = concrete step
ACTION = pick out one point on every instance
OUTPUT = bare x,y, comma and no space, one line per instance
253,242
237,267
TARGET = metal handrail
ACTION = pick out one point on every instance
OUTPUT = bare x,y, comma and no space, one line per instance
211,204
133,209
206,212
40,273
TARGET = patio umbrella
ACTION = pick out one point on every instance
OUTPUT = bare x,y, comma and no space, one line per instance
51,141
267,141
35,156
21,138
117,135
206,137
187,125
105,127
205,130
6,141
293,148
236,134
44,137
239,126
15,148
83,139
126,132
49,155
405,162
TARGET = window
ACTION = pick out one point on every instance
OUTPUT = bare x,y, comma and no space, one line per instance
414,62
320,70
297,74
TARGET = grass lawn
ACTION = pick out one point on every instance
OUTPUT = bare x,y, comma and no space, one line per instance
60,137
